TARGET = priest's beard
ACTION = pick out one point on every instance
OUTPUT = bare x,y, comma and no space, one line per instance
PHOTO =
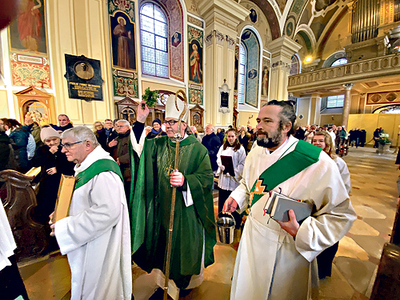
271,140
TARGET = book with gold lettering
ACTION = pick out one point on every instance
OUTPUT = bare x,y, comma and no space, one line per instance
65,191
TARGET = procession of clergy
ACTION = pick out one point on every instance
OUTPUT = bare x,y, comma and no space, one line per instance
117,218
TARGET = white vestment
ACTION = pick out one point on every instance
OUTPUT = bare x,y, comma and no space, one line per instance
7,243
344,173
270,263
96,236
226,181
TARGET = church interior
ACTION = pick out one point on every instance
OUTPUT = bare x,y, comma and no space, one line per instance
337,60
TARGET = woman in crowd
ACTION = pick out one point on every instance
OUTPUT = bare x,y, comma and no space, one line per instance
226,182
323,140
22,141
53,164
156,131
100,134
244,138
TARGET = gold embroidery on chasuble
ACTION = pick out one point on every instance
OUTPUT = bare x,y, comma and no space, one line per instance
166,161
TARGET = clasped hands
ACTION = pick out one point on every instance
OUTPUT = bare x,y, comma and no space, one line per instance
291,226
176,178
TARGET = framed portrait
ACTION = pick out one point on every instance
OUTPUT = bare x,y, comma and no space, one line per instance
195,62
27,33
122,32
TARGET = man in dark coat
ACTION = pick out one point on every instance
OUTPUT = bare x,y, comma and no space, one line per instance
212,142
4,148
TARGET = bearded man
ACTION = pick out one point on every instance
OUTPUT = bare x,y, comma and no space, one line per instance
193,236
275,258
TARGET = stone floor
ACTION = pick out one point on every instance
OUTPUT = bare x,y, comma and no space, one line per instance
374,199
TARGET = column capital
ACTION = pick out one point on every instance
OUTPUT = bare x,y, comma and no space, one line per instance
348,86
282,49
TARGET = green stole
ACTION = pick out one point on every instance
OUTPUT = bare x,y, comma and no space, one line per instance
99,166
303,156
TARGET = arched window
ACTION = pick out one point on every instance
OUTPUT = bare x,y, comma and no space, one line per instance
295,66
242,73
339,62
154,38
249,69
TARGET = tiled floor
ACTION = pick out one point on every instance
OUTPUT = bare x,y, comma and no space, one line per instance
374,198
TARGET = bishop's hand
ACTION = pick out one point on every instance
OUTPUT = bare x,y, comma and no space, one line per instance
176,179
142,113
291,226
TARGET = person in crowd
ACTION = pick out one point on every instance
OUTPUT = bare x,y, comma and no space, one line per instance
228,182
323,140
20,139
5,149
342,135
96,234
109,130
221,134
156,131
63,122
194,233
283,253
121,152
195,133
309,134
244,138
32,126
147,130
212,142
331,131
100,133
53,163
11,284
299,134
377,133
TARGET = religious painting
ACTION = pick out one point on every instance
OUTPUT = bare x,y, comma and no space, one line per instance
84,77
265,78
176,39
195,62
27,33
195,40
127,6
29,70
123,41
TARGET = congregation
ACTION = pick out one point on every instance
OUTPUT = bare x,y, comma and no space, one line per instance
135,168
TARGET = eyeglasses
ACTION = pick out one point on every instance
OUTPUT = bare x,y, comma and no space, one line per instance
170,122
69,145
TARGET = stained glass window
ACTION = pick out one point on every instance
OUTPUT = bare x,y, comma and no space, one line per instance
153,36
242,73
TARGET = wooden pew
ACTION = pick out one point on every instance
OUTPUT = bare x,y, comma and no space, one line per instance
31,237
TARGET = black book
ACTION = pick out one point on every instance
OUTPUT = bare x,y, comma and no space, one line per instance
227,162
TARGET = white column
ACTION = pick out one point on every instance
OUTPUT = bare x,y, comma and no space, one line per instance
282,50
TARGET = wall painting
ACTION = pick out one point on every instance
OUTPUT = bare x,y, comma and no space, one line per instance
195,46
29,70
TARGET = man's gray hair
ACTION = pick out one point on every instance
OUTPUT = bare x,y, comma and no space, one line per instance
123,121
81,133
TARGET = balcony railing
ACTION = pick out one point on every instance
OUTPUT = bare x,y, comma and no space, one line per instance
362,70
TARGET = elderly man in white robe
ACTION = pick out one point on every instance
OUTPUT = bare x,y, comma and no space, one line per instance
96,234
275,259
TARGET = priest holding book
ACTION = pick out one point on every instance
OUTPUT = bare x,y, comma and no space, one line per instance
276,259
95,235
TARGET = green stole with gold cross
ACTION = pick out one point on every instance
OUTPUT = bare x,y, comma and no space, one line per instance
303,156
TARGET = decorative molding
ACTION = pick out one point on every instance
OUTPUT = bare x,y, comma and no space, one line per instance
348,86
195,21
231,42
219,37
209,38
352,72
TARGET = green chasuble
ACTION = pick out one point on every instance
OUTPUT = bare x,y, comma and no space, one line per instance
151,205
